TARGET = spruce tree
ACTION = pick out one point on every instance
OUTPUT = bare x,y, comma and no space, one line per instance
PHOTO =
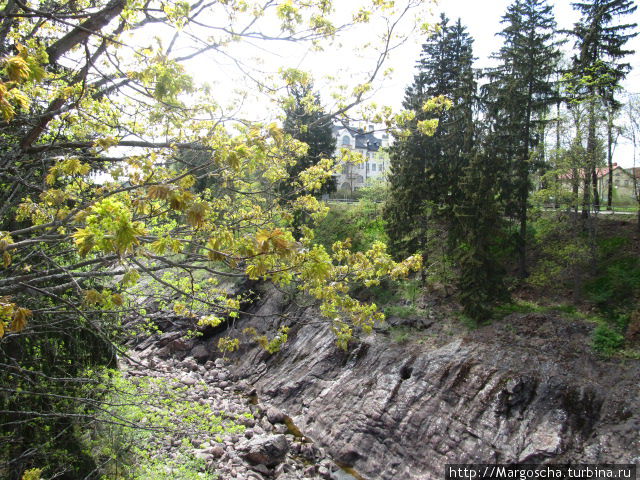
306,121
519,91
479,218
426,167
598,69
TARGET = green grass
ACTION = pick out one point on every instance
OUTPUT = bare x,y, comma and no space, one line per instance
521,306
401,334
606,340
403,311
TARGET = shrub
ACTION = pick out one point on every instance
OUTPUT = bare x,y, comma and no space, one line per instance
607,340
616,285
361,222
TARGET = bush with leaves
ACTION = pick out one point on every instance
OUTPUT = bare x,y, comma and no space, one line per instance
116,167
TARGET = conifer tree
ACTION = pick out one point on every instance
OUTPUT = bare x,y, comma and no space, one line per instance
479,218
307,122
426,165
519,91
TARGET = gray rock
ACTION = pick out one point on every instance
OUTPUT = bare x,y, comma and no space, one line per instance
202,455
168,337
534,392
260,468
269,450
200,352
324,472
216,451
275,415
246,421
188,379
179,345
280,429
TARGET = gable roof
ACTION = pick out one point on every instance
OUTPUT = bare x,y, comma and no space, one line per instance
600,172
364,140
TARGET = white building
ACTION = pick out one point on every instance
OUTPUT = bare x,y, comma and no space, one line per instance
352,176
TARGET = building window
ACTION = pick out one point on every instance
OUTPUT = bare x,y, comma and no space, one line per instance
346,141
373,167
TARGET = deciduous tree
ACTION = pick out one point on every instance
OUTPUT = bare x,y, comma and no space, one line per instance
95,113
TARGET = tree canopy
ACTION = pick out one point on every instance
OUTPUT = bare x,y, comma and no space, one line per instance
106,141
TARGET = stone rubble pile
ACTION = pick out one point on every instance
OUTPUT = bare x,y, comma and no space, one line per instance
267,449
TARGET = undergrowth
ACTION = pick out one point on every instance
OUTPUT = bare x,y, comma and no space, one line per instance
137,418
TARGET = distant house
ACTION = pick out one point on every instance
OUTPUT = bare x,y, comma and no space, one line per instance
352,176
634,176
623,184
623,188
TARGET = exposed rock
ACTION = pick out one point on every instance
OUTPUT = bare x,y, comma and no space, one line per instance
260,468
200,352
269,450
532,392
188,379
275,415
164,339
223,458
216,451
179,345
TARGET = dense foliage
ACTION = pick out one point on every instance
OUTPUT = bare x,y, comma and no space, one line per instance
122,178
428,160
517,97
467,162
125,184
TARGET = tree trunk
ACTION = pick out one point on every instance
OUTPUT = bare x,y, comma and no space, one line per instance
594,185
610,157
590,175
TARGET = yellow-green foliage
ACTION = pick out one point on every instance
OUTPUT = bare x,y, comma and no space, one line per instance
141,416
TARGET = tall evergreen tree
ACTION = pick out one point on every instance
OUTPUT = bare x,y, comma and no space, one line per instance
519,91
598,70
426,166
479,218
306,121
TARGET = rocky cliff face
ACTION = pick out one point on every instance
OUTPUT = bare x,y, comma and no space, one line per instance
525,390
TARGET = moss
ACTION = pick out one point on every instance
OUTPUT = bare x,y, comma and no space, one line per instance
350,471
292,428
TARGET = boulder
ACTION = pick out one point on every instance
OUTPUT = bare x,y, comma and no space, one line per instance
269,450
200,352
275,415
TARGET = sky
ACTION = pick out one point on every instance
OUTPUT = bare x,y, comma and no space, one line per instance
482,19
348,58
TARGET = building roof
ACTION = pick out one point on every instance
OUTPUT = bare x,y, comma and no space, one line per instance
600,171
634,172
364,140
